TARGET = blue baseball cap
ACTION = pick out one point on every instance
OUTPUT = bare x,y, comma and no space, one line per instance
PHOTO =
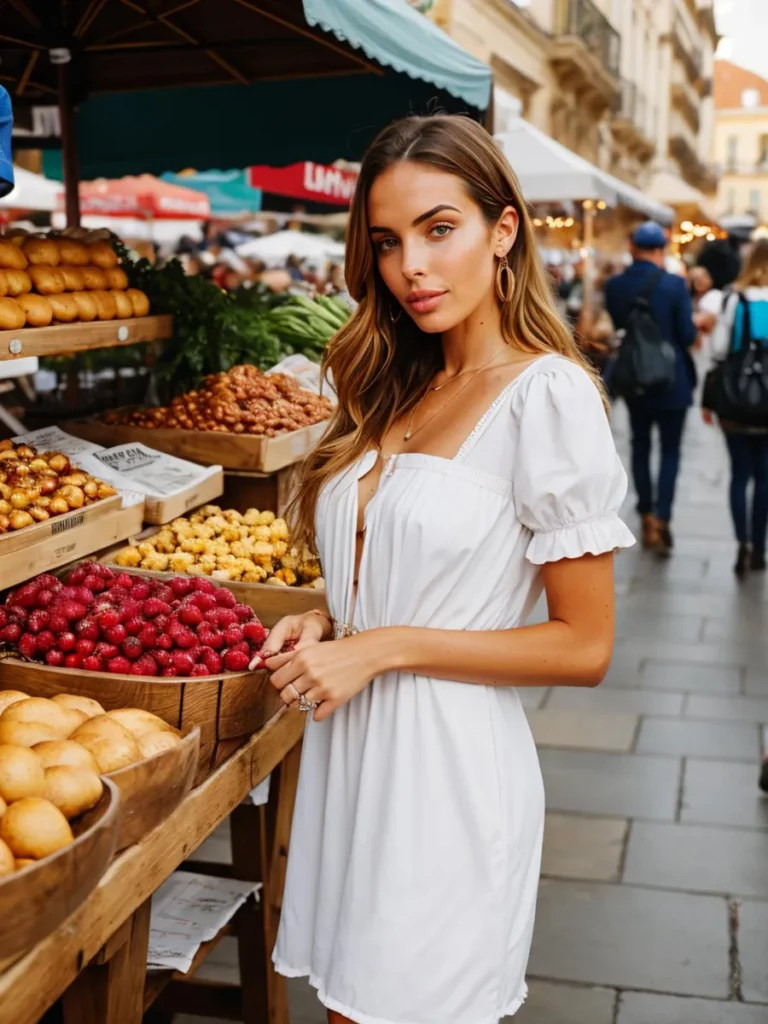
6,123
649,235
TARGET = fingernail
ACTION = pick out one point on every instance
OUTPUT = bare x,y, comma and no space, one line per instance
265,654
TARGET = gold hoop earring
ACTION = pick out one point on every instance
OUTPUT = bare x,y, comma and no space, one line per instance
505,280
394,317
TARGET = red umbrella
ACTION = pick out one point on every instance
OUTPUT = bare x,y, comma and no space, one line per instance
144,197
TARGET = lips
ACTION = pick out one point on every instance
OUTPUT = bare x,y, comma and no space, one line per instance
424,301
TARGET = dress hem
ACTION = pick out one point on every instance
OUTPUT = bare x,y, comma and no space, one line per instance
364,1018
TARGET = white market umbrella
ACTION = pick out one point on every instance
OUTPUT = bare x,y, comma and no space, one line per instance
275,249
32,192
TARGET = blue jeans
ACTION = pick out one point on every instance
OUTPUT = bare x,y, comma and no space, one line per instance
670,423
749,461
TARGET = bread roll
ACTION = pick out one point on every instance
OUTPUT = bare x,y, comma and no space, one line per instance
117,278
37,309
73,278
72,252
11,315
3,284
11,257
94,278
18,281
47,280
139,301
106,307
41,252
101,254
64,308
86,306
123,303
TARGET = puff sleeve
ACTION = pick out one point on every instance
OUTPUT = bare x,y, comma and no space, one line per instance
569,482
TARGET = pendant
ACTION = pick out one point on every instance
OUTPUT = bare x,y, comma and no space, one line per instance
407,436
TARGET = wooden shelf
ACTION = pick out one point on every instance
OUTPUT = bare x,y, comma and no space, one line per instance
63,339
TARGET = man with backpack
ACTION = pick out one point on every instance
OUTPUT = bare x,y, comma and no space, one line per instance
654,372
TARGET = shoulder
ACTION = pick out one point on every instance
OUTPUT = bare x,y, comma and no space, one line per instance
711,301
552,385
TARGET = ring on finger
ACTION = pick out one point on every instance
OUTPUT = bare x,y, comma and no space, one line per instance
294,695
306,705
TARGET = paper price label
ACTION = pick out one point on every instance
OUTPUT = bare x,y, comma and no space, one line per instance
54,439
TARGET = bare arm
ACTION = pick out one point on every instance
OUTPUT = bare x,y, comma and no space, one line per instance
572,649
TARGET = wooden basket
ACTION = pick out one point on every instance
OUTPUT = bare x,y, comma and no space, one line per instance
34,901
227,707
151,789
208,447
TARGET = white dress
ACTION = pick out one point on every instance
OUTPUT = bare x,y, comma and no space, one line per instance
415,851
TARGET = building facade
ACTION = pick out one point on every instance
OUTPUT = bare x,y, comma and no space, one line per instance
741,141
626,84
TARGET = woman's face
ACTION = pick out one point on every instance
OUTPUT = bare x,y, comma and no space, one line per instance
434,249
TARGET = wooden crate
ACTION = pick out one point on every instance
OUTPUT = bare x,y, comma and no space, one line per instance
244,489
208,447
228,707
35,901
62,339
162,510
45,546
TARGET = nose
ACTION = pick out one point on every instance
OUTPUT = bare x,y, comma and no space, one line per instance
414,260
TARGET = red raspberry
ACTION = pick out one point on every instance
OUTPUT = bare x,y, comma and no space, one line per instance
183,663
45,640
78,574
57,623
85,647
161,621
38,620
26,596
225,598
163,658
205,602
3,618
132,648
130,609
93,664
68,593
119,664
148,635
154,606
162,592
67,642
92,582
233,635
203,586
141,590
27,645
88,629
190,615
116,634
199,670
165,642
243,612
255,633
73,661
124,581
145,666
225,617
45,597
235,661
109,618
170,671
211,660
183,637
55,658
72,610
85,596
106,651
181,586
135,625
10,634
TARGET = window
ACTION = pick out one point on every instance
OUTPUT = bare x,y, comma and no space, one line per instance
733,152
762,151
750,97
506,108
754,201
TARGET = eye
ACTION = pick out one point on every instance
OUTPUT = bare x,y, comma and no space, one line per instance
441,230
385,245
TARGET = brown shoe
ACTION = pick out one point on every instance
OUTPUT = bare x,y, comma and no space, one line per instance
664,543
650,531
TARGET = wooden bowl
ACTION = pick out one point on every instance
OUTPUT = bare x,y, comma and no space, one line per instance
151,789
228,707
37,899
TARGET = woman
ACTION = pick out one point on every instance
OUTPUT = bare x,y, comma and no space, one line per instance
469,464
747,446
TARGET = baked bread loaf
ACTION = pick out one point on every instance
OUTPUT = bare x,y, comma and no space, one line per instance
64,308
106,307
94,278
72,252
73,278
41,252
139,301
37,309
11,315
11,256
116,278
101,254
46,279
86,306
123,303
18,281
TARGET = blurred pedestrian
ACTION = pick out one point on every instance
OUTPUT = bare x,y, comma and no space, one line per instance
670,306
747,445
707,305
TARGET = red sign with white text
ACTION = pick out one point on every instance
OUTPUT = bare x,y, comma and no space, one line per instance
306,180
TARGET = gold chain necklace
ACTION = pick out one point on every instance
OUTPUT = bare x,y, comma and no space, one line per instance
410,433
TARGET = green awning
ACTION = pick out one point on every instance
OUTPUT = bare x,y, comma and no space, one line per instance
398,36
229,193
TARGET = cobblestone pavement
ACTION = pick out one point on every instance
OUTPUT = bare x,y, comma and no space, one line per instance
653,905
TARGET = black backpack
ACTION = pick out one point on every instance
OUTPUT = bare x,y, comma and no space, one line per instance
645,361
736,388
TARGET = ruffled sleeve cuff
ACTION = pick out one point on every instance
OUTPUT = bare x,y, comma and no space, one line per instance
594,536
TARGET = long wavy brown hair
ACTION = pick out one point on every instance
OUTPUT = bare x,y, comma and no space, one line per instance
755,269
379,368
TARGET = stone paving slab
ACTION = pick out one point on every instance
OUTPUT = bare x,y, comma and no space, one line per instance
697,859
646,1008
626,701
685,653
583,730
615,785
737,631
624,937
728,709
635,624
679,737
753,952
723,793
679,677
548,1003
756,682
588,848
624,670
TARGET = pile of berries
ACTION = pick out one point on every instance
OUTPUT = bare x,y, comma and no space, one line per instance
104,621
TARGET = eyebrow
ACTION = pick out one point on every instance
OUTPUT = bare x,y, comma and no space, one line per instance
420,219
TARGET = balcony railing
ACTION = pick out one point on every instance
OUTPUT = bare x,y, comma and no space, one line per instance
632,106
583,19
691,55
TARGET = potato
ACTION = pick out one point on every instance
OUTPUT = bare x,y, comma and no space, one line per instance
21,774
138,722
35,828
8,697
111,744
73,790
87,705
7,863
41,711
24,862
65,752
27,734
151,743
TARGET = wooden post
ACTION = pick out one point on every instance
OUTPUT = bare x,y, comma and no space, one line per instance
68,122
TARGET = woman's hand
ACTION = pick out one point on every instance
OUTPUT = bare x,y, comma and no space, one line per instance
328,674
300,630
708,416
